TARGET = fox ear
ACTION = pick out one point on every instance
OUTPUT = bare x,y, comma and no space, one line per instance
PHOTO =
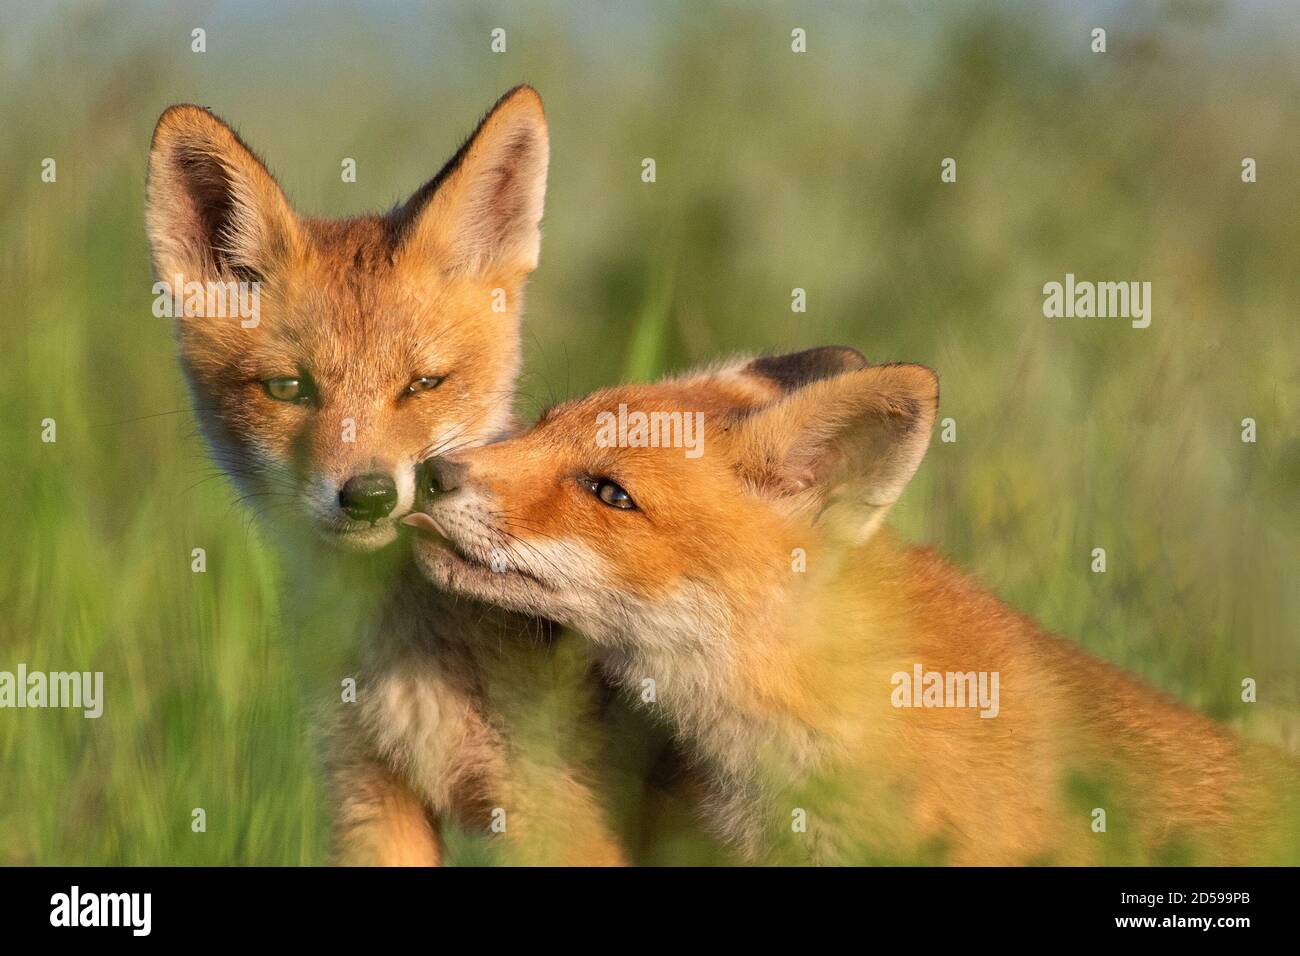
841,448
212,208
797,369
484,209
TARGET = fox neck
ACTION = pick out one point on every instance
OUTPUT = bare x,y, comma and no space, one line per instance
761,687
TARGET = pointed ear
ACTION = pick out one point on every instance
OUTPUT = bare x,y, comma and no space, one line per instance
484,210
841,449
212,210
797,369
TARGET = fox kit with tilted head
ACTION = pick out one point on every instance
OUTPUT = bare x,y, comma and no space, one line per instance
847,697
374,342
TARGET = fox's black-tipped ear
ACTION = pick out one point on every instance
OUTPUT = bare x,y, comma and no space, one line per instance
797,369
841,448
212,209
483,211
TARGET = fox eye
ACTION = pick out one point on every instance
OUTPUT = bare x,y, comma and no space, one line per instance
425,383
610,493
288,389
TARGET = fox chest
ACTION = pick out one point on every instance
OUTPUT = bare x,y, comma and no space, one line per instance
427,726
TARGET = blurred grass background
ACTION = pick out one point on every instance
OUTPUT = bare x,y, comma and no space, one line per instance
775,171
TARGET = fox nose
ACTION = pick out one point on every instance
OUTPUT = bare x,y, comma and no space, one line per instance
368,497
441,475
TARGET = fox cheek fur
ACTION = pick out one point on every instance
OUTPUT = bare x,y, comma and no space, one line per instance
401,330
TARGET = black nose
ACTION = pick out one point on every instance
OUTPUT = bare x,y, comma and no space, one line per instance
368,497
441,475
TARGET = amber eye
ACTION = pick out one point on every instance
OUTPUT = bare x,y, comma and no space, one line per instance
610,493
287,389
425,383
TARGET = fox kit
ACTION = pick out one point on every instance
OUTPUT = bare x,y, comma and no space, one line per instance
373,342
847,697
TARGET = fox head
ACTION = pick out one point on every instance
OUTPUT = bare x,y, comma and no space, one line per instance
371,342
650,546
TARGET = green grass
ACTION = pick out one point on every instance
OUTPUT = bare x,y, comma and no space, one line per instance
774,171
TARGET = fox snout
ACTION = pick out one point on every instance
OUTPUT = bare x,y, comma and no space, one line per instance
438,476
356,504
435,478
368,497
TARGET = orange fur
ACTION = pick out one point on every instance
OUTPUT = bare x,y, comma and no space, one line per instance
780,680
355,314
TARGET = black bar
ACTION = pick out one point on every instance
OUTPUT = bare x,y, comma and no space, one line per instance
930,906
